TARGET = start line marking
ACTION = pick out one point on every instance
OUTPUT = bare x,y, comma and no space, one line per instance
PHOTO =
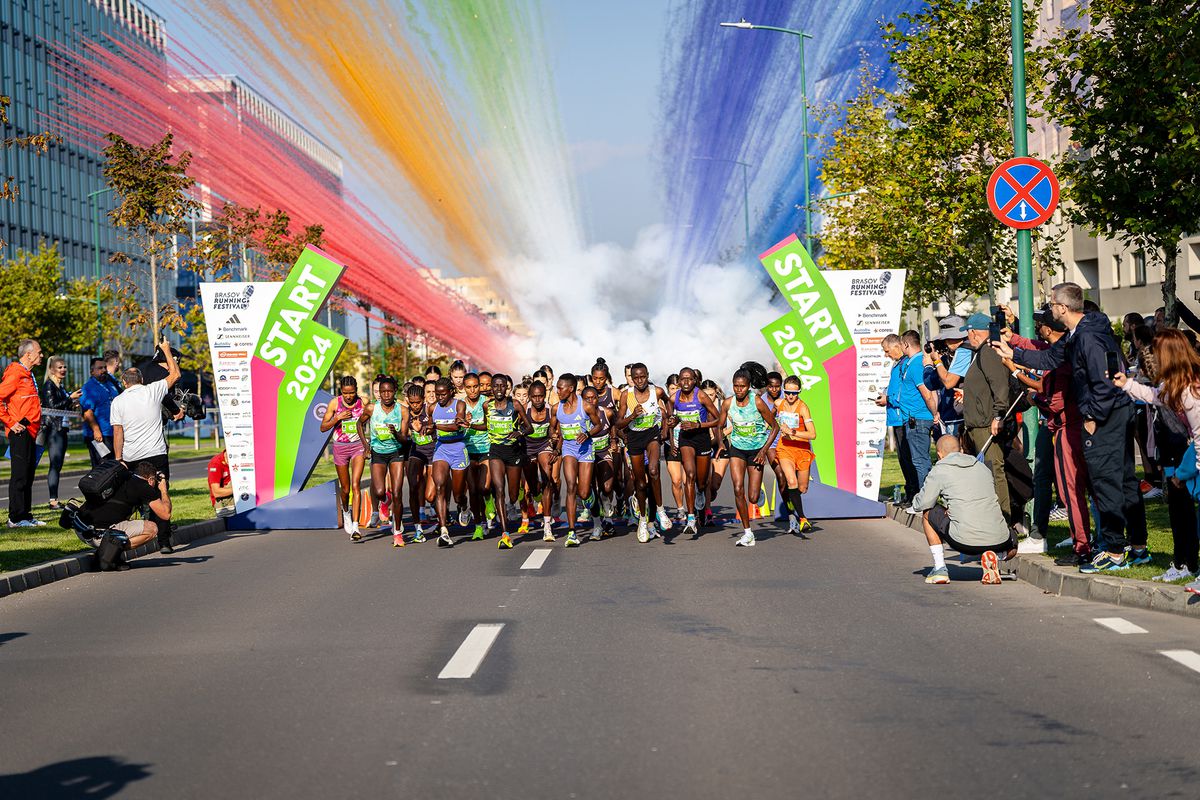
536,559
472,651
1118,625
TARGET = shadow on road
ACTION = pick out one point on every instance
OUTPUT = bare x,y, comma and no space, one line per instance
168,561
8,637
94,777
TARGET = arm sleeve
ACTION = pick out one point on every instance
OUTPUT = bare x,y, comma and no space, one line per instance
8,386
961,362
1140,391
1047,359
928,496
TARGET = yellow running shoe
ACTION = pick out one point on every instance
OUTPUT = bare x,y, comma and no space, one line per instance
397,540
505,543
524,526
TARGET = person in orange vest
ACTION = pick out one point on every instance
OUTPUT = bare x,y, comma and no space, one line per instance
21,413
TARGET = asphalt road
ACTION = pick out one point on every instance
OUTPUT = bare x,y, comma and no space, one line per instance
300,665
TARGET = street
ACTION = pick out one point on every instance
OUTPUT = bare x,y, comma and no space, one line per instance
298,664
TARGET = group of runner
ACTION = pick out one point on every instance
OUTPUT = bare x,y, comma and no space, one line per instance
502,450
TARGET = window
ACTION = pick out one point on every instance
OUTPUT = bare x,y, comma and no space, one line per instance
1116,270
1139,268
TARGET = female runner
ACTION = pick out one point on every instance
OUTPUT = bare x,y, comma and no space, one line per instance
720,446
382,422
342,416
754,428
794,451
695,417
449,458
573,424
417,429
502,416
773,393
539,454
608,457
671,455
643,407
477,451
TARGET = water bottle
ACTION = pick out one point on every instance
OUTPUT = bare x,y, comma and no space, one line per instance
897,494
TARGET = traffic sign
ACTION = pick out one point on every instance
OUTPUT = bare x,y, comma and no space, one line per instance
1022,193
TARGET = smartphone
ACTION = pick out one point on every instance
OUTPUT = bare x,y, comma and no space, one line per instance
999,323
1113,363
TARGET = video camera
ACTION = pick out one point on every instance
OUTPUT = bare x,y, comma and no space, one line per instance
190,402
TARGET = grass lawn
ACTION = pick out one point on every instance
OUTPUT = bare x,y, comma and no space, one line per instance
189,499
77,459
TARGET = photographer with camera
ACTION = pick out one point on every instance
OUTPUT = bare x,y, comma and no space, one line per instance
950,360
145,487
138,434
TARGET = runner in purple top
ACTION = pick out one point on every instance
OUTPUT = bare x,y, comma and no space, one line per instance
349,449
695,415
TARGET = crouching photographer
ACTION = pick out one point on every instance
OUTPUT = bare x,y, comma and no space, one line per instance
106,524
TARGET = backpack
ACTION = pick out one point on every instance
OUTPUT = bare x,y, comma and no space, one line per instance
103,481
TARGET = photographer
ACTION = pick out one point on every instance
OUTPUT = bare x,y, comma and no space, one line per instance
145,487
950,360
918,405
138,434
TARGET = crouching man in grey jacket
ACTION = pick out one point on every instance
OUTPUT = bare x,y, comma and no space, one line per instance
971,521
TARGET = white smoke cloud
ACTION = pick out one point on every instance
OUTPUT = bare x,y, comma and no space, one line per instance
610,301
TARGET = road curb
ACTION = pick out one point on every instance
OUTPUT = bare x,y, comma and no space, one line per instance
1069,582
68,567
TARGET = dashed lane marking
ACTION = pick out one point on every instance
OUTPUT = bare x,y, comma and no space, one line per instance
536,559
1118,625
1189,658
472,651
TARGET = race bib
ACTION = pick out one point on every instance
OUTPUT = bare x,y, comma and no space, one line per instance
789,418
383,432
350,428
500,426
644,422
571,431
602,442
421,438
746,431
540,430
688,416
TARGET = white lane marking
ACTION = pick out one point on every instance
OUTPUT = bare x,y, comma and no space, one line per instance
472,651
1118,625
536,559
1189,658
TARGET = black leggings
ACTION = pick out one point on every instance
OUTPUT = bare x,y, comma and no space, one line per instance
56,450
1181,508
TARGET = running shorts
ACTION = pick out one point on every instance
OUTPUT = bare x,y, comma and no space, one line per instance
422,453
636,442
939,520
580,452
510,455
698,439
387,458
345,452
452,453
800,456
476,458
745,455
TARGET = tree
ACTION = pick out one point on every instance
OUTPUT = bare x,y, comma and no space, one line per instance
37,302
193,347
917,159
153,206
1125,84
38,143
348,362
268,234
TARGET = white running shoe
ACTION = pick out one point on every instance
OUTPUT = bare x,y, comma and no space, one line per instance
1031,545
643,531
1153,493
664,520
689,525
1067,542
596,529
680,515
747,540
464,517
1173,574
793,524
547,531
1058,514
347,521
374,521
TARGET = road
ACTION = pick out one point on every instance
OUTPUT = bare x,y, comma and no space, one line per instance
300,665
69,485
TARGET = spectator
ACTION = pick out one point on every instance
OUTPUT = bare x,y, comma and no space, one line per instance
220,485
1140,340
895,419
1129,323
96,402
985,404
972,522
1178,392
918,405
137,422
21,413
1107,425
950,360
432,373
1160,319
1061,422
56,427
145,487
112,365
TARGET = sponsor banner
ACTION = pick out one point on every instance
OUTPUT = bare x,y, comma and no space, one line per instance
870,301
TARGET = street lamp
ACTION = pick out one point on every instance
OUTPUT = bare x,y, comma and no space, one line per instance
745,190
96,249
801,35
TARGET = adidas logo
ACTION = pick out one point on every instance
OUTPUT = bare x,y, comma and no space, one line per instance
233,320
874,306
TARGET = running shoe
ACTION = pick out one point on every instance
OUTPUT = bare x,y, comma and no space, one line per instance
374,521
1172,574
505,543
1067,542
747,540
597,529
524,526
25,523
478,535
793,525
709,518
572,539
37,523
606,528
397,540
991,568
1154,492
1058,514
938,575
1074,560
643,531
355,535
1193,587
803,526
1138,557
584,514
606,507
664,520
347,521
680,515
444,539
701,499
1105,562
419,536
464,516
489,507
1031,544
547,530
689,524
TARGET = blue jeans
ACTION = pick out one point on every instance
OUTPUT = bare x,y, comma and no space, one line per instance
918,448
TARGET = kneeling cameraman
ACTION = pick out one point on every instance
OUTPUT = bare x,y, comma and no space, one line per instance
145,487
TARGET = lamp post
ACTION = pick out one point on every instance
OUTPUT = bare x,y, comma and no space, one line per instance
745,191
801,35
96,249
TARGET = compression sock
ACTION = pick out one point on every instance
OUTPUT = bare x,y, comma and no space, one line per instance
796,501
939,555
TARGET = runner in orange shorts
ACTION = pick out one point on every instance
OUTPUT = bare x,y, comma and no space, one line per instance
794,451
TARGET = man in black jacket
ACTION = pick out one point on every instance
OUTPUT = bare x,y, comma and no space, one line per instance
1108,425
985,401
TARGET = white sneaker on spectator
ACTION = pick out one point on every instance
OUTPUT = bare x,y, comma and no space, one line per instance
1173,574
1153,493
1058,514
1031,545
1067,542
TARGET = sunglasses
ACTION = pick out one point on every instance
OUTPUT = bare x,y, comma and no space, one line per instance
792,394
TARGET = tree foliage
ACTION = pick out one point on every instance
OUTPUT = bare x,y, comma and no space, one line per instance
349,361
37,302
917,159
1126,82
268,234
193,346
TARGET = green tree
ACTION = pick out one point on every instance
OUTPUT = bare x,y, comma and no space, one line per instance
193,347
37,142
38,302
269,234
1125,84
348,362
153,206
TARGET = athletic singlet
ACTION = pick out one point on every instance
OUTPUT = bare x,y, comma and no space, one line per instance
793,420
651,411
420,439
539,439
347,430
444,415
382,440
573,424
502,424
477,441
601,437
690,410
749,428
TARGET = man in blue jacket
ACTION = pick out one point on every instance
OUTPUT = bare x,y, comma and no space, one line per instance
1108,425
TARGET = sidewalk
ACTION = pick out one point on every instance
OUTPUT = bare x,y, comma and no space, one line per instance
1070,582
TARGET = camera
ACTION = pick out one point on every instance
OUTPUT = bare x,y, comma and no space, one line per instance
189,402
